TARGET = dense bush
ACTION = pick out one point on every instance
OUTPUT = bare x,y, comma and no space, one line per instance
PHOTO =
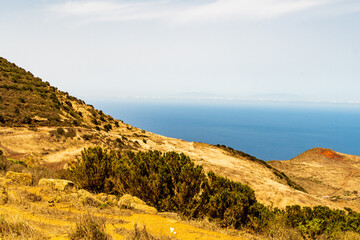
312,222
169,182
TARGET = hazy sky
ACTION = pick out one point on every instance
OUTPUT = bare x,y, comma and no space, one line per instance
256,49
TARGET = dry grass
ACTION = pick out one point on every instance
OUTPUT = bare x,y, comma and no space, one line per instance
15,229
139,233
327,174
90,228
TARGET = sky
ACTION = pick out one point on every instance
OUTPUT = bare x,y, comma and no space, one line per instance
222,50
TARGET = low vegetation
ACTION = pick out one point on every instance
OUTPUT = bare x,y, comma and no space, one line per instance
17,229
142,234
27,100
171,182
90,228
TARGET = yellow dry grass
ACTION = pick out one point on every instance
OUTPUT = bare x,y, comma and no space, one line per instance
56,214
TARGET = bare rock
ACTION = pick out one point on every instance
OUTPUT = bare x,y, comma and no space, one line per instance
57,184
87,198
130,202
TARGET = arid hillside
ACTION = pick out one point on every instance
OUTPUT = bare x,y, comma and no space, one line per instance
42,125
326,174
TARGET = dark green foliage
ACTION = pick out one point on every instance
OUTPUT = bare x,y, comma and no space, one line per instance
227,201
169,182
107,127
87,137
60,131
94,121
24,96
93,170
68,103
120,142
312,222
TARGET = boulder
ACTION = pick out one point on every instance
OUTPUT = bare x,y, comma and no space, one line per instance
130,202
21,178
57,184
87,198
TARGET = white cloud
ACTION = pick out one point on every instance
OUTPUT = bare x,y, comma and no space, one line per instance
193,11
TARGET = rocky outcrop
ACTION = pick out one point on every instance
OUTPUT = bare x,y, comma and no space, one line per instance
130,202
57,184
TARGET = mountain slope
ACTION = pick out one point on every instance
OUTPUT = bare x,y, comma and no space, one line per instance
326,173
50,127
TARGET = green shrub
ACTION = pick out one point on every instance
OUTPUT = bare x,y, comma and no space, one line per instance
107,127
169,182
93,169
60,131
68,103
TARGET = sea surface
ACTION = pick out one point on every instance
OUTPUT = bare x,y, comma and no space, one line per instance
269,132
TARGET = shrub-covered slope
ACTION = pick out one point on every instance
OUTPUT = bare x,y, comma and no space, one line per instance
26,99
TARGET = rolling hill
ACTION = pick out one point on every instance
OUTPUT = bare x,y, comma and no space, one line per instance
43,126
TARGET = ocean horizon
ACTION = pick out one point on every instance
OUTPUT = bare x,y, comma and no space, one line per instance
268,132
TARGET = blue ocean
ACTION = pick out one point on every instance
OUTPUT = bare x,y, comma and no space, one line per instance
269,132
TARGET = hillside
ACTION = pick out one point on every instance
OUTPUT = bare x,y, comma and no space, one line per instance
327,174
42,125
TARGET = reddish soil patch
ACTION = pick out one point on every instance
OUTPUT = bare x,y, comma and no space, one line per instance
332,155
